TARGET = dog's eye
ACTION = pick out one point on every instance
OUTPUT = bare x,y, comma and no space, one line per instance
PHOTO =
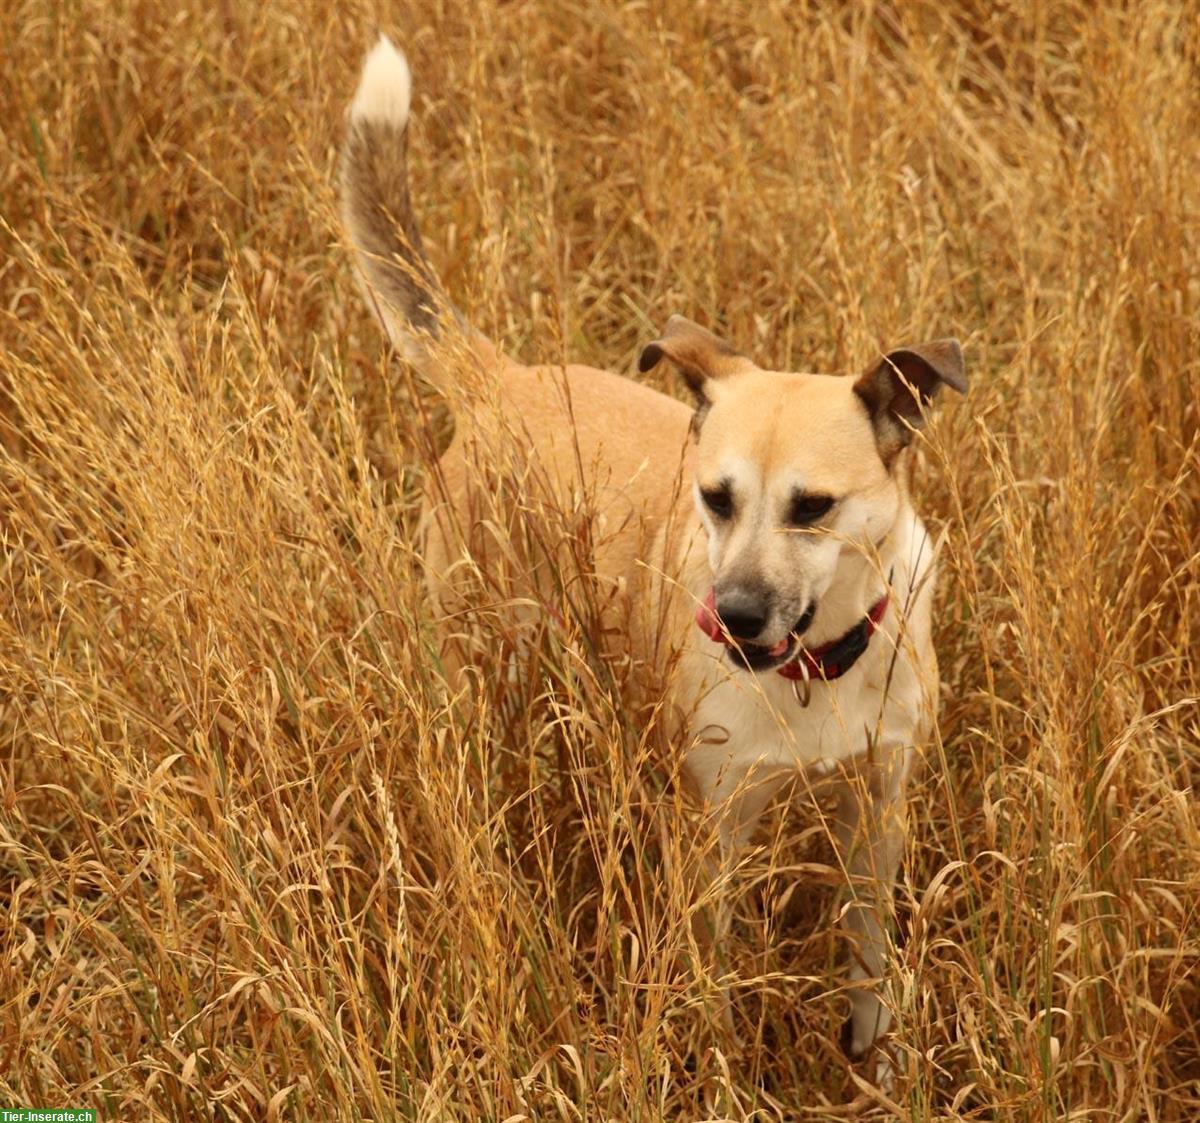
807,509
718,500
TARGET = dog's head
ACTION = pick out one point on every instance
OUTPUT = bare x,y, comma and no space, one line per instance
793,470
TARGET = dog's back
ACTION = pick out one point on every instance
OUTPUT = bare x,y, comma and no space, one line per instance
590,440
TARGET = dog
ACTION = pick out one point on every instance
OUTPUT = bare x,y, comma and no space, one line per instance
800,604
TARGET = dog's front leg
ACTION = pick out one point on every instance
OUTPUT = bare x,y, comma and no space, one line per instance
735,804
870,840
733,811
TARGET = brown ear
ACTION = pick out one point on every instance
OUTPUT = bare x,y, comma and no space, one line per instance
699,355
896,390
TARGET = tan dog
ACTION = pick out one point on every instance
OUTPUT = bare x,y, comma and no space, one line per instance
801,604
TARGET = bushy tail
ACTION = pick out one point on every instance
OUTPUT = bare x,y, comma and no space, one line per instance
377,211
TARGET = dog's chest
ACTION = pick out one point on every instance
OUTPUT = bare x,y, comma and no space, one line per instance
744,723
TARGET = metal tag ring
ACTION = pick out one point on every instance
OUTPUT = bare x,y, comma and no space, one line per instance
807,695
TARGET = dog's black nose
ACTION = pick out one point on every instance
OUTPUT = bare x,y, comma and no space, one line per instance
743,612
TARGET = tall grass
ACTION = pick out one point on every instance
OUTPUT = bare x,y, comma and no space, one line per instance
262,865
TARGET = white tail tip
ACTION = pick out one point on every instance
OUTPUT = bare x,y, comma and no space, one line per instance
385,88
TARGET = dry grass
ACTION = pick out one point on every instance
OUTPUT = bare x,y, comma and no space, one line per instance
258,867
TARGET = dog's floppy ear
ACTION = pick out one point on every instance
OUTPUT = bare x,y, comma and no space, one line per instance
895,391
700,356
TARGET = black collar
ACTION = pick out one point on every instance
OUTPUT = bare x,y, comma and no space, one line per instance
832,660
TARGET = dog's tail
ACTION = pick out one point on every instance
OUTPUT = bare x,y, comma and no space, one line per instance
377,211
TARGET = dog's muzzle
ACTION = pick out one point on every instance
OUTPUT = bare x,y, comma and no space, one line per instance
828,662
753,656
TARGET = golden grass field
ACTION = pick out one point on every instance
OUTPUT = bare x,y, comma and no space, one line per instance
260,865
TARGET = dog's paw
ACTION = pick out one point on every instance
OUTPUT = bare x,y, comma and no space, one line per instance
880,1067
885,1073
